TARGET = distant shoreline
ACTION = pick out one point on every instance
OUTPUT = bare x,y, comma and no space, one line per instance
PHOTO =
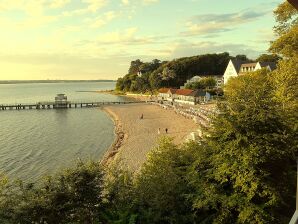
49,81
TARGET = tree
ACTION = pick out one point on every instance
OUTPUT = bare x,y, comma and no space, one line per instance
205,83
250,172
161,185
135,67
268,58
285,77
72,196
242,57
167,74
286,17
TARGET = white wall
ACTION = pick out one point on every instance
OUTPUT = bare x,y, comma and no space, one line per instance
230,72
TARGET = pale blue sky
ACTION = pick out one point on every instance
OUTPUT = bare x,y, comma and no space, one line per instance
97,39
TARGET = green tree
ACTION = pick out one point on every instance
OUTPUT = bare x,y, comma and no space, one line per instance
135,67
205,83
250,177
161,185
119,194
242,57
72,196
268,58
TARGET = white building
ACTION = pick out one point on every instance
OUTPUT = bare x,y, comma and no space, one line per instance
238,67
185,96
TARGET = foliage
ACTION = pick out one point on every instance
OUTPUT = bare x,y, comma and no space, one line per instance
119,194
253,157
161,185
286,17
72,196
287,44
268,58
205,83
171,74
242,57
242,171
135,67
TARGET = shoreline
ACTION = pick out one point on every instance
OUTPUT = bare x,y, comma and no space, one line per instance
119,137
135,137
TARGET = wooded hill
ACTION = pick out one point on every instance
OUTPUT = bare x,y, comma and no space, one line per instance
150,76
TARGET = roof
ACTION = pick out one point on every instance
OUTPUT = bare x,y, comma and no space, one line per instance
166,90
272,65
172,90
237,64
198,92
163,90
249,64
184,92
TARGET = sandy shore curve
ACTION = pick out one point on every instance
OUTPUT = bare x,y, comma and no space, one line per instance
135,137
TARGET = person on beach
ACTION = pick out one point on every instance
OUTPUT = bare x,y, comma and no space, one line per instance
166,131
142,116
158,131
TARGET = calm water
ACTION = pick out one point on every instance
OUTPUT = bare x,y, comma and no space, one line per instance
38,142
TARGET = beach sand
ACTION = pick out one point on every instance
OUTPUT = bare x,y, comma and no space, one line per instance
137,136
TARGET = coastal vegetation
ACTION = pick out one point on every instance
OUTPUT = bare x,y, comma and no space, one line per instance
243,171
148,77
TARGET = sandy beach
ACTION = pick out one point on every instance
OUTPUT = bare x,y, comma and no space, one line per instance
137,136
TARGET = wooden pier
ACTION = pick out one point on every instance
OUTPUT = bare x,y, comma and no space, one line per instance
54,105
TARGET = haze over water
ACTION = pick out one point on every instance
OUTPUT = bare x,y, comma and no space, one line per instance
34,143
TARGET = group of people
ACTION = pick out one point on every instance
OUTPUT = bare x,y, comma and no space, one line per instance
158,131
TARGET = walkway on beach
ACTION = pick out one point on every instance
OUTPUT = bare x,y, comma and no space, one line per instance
141,135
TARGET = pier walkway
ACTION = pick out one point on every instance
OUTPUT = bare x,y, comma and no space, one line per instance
55,105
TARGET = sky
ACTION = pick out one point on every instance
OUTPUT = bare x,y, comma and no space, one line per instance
97,39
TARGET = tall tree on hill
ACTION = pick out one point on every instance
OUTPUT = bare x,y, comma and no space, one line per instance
135,67
168,74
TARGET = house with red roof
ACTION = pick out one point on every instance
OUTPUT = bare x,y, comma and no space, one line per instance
185,96
166,94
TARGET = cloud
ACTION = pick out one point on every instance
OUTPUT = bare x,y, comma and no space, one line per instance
215,23
92,6
102,20
150,1
125,37
59,3
184,48
125,2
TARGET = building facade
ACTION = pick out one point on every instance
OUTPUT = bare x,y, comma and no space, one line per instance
185,96
238,67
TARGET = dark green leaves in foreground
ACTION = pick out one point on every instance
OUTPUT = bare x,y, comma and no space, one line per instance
73,196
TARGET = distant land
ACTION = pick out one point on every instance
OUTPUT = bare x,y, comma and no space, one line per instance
49,81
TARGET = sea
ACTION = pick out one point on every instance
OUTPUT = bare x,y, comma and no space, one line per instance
36,143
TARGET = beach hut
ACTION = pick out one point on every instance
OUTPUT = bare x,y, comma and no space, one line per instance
61,101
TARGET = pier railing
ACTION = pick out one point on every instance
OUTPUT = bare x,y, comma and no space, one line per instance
64,105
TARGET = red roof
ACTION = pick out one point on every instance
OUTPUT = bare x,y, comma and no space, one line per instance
163,90
183,92
166,90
